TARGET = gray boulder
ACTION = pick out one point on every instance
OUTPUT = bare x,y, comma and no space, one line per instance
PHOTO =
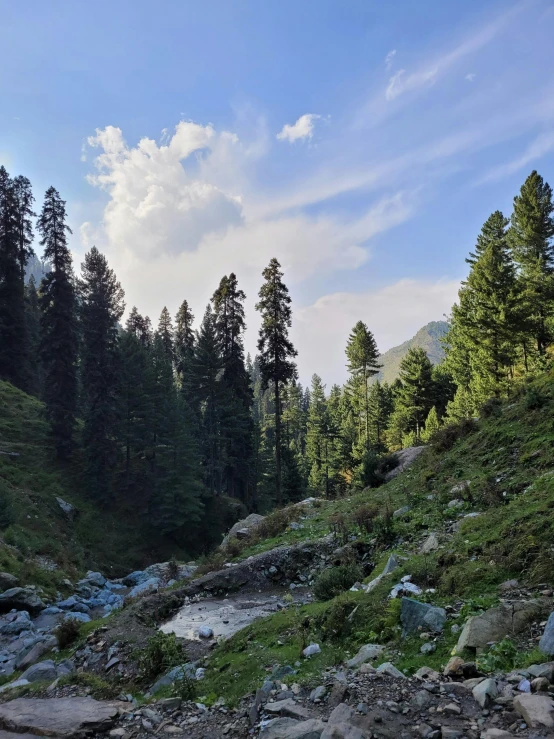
485,692
405,457
367,653
288,728
387,668
546,644
497,623
416,616
22,599
95,578
58,717
431,544
69,510
7,581
177,673
147,586
537,710
42,671
248,523
15,623
31,654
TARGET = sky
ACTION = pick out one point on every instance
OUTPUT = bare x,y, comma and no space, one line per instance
361,143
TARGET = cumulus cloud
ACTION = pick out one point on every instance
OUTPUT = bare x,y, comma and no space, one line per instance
179,215
393,313
389,59
302,129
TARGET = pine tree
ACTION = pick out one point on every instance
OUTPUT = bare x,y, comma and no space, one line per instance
12,293
59,344
24,200
35,381
362,355
531,238
379,410
276,349
101,307
431,425
316,436
165,332
183,342
140,327
414,397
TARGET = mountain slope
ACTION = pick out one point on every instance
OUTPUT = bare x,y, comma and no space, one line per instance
428,337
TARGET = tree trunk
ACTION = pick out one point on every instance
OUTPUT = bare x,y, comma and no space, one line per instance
278,445
366,414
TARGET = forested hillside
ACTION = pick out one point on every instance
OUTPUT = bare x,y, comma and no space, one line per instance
170,420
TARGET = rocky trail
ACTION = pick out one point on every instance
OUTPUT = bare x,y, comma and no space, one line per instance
362,695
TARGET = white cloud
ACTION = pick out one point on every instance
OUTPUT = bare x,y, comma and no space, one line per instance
179,216
393,313
401,82
389,59
541,145
470,77
302,129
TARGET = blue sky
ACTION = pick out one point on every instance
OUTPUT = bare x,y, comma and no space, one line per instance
362,143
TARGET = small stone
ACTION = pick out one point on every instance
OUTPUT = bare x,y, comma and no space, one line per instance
387,668
485,691
205,632
428,648
454,667
540,685
367,669
452,708
318,694
311,649
367,653
421,699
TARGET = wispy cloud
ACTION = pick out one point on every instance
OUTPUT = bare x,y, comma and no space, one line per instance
389,59
470,76
302,129
541,145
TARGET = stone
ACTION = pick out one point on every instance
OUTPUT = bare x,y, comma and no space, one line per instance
497,623
366,653
83,618
399,512
367,669
42,671
289,709
147,586
172,704
431,544
286,728
427,673
428,648
460,488
250,522
15,684
311,649
546,644
454,667
176,673
22,599
415,615
392,564
537,710
57,717
545,670
456,503
540,685
318,693
205,632
7,581
485,691
451,732
16,623
29,655
496,734
387,668
242,533
69,510
338,691
405,457
453,709
422,699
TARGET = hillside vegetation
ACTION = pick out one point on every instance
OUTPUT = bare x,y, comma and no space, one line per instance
36,534
500,467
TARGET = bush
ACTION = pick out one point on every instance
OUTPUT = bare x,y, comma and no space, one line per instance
445,438
67,632
336,622
490,407
384,527
336,580
185,688
534,399
162,652
7,514
172,569
364,517
211,563
339,526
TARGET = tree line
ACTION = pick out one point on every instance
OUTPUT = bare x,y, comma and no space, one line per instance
180,424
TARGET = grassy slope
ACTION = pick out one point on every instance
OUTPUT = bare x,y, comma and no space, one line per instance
428,338
110,541
509,459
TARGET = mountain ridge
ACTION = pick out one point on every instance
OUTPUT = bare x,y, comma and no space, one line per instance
427,337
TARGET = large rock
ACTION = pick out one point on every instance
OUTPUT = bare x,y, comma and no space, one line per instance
248,523
497,623
22,599
546,644
367,653
7,581
288,728
41,672
57,717
30,655
69,510
15,623
147,586
176,673
416,616
405,457
288,708
537,710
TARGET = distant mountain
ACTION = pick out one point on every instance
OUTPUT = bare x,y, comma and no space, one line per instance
36,268
427,338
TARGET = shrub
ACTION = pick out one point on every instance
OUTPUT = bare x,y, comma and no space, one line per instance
336,580
185,688
534,399
336,621
67,632
339,526
211,563
172,569
445,438
364,517
384,527
490,407
162,652
7,514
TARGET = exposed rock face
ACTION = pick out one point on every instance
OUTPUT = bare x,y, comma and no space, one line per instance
22,599
499,622
405,458
546,644
61,717
415,615
244,527
7,581
69,510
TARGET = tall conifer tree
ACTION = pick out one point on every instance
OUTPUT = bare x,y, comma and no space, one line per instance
276,349
59,341
363,363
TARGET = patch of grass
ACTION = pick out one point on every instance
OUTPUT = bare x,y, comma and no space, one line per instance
162,652
336,580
